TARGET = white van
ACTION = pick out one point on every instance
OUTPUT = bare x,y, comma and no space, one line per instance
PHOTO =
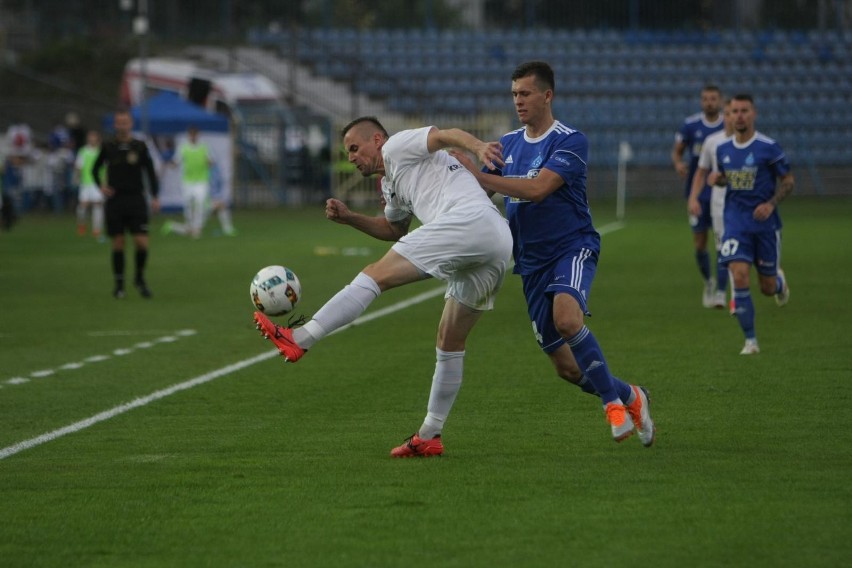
251,101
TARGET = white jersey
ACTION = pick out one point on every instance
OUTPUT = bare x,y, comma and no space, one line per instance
422,184
707,158
707,161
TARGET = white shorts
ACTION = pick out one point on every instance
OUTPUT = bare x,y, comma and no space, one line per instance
469,248
195,192
90,193
717,213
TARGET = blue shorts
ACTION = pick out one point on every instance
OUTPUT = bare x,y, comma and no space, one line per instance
762,249
571,274
703,222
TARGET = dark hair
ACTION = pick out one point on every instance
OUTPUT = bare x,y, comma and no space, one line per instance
743,97
371,119
711,87
541,70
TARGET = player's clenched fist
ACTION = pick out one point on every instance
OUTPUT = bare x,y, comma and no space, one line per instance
336,210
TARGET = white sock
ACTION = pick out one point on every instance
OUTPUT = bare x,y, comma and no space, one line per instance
342,309
446,383
196,216
225,220
81,214
97,218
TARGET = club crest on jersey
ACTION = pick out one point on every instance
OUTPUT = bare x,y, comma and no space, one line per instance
537,162
749,161
132,157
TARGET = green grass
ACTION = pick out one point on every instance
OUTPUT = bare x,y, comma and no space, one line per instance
287,465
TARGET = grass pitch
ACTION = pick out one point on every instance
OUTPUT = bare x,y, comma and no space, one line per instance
287,465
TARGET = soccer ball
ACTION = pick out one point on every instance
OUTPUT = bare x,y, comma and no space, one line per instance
275,290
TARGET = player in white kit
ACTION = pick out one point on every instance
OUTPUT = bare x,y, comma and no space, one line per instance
463,240
706,164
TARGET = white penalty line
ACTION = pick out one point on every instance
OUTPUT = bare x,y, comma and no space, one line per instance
200,380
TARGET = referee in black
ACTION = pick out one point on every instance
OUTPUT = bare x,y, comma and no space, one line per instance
126,159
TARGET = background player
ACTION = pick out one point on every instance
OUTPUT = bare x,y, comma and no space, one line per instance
463,239
127,160
695,207
691,136
758,177
193,158
220,202
89,194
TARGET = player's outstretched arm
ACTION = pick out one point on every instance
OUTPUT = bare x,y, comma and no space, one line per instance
376,226
489,153
533,189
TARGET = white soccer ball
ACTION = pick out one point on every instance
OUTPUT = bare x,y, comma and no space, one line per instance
275,290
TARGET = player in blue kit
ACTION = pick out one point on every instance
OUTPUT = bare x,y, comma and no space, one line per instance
759,178
695,129
542,175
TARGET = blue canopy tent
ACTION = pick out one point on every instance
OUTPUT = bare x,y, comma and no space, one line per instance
169,117
168,113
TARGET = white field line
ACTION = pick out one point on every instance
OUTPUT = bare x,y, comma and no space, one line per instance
200,380
120,352
610,227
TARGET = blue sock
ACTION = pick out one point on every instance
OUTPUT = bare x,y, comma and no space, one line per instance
703,260
745,311
625,392
586,385
589,356
721,277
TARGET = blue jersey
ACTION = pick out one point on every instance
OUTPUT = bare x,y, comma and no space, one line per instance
693,133
752,170
561,222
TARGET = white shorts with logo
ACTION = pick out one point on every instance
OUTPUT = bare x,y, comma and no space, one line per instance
90,193
470,248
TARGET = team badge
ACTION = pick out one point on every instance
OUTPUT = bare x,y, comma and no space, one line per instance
132,157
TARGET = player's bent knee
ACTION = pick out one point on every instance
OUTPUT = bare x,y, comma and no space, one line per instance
568,326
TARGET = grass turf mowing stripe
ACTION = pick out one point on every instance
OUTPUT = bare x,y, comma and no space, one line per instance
121,409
